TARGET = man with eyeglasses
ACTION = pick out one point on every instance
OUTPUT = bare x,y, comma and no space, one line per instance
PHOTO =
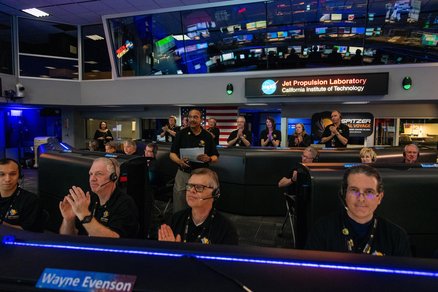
356,229
192,137
200,222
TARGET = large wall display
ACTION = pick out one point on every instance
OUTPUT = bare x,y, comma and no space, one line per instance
276,35
322,85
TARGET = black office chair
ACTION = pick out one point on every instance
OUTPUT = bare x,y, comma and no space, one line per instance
164,194
290,201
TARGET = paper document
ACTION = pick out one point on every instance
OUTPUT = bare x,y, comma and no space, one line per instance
191,153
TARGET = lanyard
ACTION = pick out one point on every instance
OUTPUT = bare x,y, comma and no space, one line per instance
208,221
350,241
14,197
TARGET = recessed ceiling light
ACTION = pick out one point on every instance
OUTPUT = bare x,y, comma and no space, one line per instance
35,12
256,104
50,67
95,37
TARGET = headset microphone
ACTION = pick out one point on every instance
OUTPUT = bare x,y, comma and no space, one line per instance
344,204
100,186
203,199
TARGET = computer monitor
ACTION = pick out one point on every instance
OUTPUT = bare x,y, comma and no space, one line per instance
227,56
327,51
369,52
282,34
320,30
352,50
358,30
296,48
267,50
341,49
272,35
336,17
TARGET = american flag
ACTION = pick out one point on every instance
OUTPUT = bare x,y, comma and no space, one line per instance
225,116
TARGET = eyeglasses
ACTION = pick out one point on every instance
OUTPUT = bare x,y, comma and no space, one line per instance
198,188
368,194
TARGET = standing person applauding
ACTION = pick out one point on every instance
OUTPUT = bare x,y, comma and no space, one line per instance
300,138
336,134
270,136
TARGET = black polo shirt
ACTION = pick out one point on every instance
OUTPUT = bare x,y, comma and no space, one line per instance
328,235
21,209
343,129
216,229
247,134
186,139
216,132
119,214
276,135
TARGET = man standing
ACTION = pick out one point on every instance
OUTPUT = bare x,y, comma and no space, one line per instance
214,130
170,129
336,134
411,153
241,136
200,222
193,138
105,211
356,229
18,208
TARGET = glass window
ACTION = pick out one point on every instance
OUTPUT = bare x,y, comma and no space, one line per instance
47,49
47,38
277,35
6,59
95,60
45,67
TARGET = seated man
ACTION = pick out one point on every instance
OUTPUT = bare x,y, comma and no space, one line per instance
18,208
200,222
308,156
411,153
356,229
103,212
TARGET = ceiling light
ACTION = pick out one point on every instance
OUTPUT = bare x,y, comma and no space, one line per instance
91,62
50,67
356,102
35,12
95,37
256,104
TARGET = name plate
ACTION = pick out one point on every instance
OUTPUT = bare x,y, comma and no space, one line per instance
73,280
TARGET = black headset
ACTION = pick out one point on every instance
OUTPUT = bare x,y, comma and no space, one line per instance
113,176
8,160
216,193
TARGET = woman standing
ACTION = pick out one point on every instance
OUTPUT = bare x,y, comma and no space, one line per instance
300,138
270,136
102,135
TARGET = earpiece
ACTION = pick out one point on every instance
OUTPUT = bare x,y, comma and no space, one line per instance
113,175
216,193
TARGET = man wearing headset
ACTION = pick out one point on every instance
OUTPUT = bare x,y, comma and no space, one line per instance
200,222
355,228
18,207
411,152
105,211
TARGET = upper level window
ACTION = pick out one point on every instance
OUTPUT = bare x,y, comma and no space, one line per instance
47,50
95,59
6,60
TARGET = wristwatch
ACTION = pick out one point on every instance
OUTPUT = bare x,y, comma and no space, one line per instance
87,219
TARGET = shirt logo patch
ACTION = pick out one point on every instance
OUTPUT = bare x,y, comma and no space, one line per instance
202,143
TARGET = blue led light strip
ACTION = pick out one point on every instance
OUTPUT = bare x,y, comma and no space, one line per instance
11,241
